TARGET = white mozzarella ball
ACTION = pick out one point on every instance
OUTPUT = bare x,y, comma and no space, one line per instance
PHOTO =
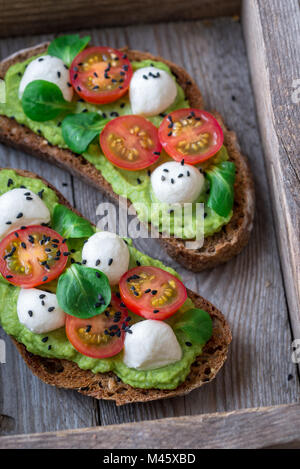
51,69
39,311
151,91
21,207
174,183
107,252
151,345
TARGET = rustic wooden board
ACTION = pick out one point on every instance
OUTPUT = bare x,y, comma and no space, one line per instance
249,289
272,32
275,427
32,16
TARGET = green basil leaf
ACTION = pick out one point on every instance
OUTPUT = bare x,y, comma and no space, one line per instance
79,130
43,101
197,325
78,291
67,47
70,225
221,195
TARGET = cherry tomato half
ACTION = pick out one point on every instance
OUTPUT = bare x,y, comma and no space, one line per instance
100,74
101,336
190,134
32,256
130,142
151,292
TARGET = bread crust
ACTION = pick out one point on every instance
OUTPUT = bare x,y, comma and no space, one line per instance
66,374
218,248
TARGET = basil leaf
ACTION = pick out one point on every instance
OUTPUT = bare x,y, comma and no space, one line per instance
67,47
70,225
221,195
80,289
79,130
197,325
43,101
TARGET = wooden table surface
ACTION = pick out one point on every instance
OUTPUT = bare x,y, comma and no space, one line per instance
249,289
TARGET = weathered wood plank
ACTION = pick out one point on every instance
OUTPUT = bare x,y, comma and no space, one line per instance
272,33
34,17
248,289
267,427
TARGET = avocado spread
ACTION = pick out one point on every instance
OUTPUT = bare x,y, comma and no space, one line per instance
135,185
58,346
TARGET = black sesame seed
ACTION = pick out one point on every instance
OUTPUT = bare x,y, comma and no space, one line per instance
166,170
40,194
169,134
97,262
156,311
139,181
145,77
66,254
154,292
98,274
110,261
9,182
78,88
163,178
148,290
138,263
180,175
122,105
20,215
8,277
172,181
30,313
23,245
49,347
45,339
51,309
114,114
58,74
45,279
88,328
182,162
188,344
84,262
42,296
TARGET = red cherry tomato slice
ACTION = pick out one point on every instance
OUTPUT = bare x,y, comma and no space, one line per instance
130,142
32,256
100,74
101,336
190,134
151,292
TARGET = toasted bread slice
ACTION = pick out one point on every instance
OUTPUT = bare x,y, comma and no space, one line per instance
218,248
66,374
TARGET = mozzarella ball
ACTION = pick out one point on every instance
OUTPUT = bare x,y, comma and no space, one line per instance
21,207
39,311
51,69
174,183
151,345
151,91
107,252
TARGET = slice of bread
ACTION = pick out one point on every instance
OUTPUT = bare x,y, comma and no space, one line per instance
66,374
218,248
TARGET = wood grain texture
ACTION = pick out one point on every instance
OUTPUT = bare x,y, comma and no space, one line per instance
249,289
267,427
272,32
33,17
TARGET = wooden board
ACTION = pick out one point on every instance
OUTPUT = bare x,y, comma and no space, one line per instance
249,289
32,16
276,427
272,32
